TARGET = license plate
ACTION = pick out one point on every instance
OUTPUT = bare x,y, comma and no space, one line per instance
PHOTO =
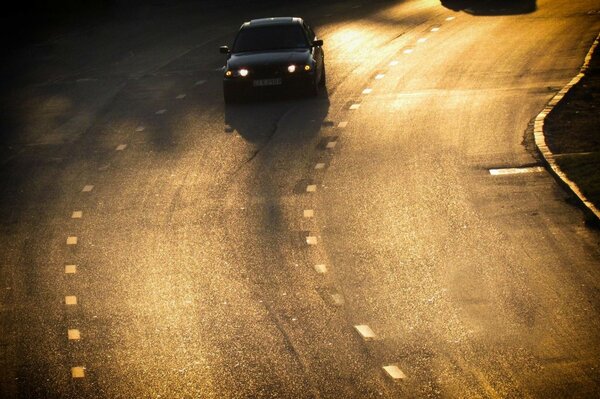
267,82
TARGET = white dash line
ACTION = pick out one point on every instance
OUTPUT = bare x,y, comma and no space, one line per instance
311,240
408,51
71,300
308,213
180,97
88,188
367,91
450,18
71,240
435,29
121,147
355,106
321,269
70,269
422,40
365,331
77,215
394,372
320,165
394,63
311,188
140,129
161,111
331,145
199,82
78,372
380,76
73,334
515,171
337,299
342,124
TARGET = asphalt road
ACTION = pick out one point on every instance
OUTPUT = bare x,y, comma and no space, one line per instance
230,252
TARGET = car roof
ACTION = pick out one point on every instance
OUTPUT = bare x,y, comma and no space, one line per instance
273,21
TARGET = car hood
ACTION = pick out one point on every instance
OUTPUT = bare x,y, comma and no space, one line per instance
284,57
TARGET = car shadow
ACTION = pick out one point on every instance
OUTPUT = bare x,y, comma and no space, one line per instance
492,7
257,117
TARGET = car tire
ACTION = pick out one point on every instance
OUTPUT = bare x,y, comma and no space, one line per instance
312,90
323,81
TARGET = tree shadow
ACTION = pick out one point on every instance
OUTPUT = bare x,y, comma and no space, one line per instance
492,7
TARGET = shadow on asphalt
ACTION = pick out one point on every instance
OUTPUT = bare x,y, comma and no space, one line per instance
256,119
492,7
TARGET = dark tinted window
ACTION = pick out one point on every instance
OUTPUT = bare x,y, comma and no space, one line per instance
270,38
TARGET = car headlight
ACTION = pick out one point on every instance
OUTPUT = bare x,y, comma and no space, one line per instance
291,68
243,72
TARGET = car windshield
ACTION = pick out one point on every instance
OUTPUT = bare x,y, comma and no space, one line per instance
270,38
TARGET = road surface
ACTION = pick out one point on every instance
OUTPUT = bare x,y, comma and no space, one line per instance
156,243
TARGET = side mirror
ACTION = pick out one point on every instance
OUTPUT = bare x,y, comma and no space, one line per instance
318,43
224,50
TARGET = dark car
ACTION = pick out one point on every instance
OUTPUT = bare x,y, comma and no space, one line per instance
273,53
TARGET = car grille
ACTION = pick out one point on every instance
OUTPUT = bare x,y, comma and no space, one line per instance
263,72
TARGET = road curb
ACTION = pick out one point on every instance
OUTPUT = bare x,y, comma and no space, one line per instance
592,213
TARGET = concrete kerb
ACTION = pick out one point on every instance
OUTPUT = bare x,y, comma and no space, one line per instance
592,213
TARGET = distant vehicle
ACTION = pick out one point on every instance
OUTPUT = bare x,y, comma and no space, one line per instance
271,53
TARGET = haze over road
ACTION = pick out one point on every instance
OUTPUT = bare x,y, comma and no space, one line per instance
155,243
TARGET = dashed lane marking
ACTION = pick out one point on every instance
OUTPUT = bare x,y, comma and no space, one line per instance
331,145
380,76
367,91
365,331
311,188
355,106
450,18
161,111
121,147
309,213
77,215
88,188
422,40
70,269
337,299
321,269
320,165
408,51
70,300
140,129
394,63
73,334
71,240
199,82
394,372
311,240
435,29
516,171
78,372
180,97
342,124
